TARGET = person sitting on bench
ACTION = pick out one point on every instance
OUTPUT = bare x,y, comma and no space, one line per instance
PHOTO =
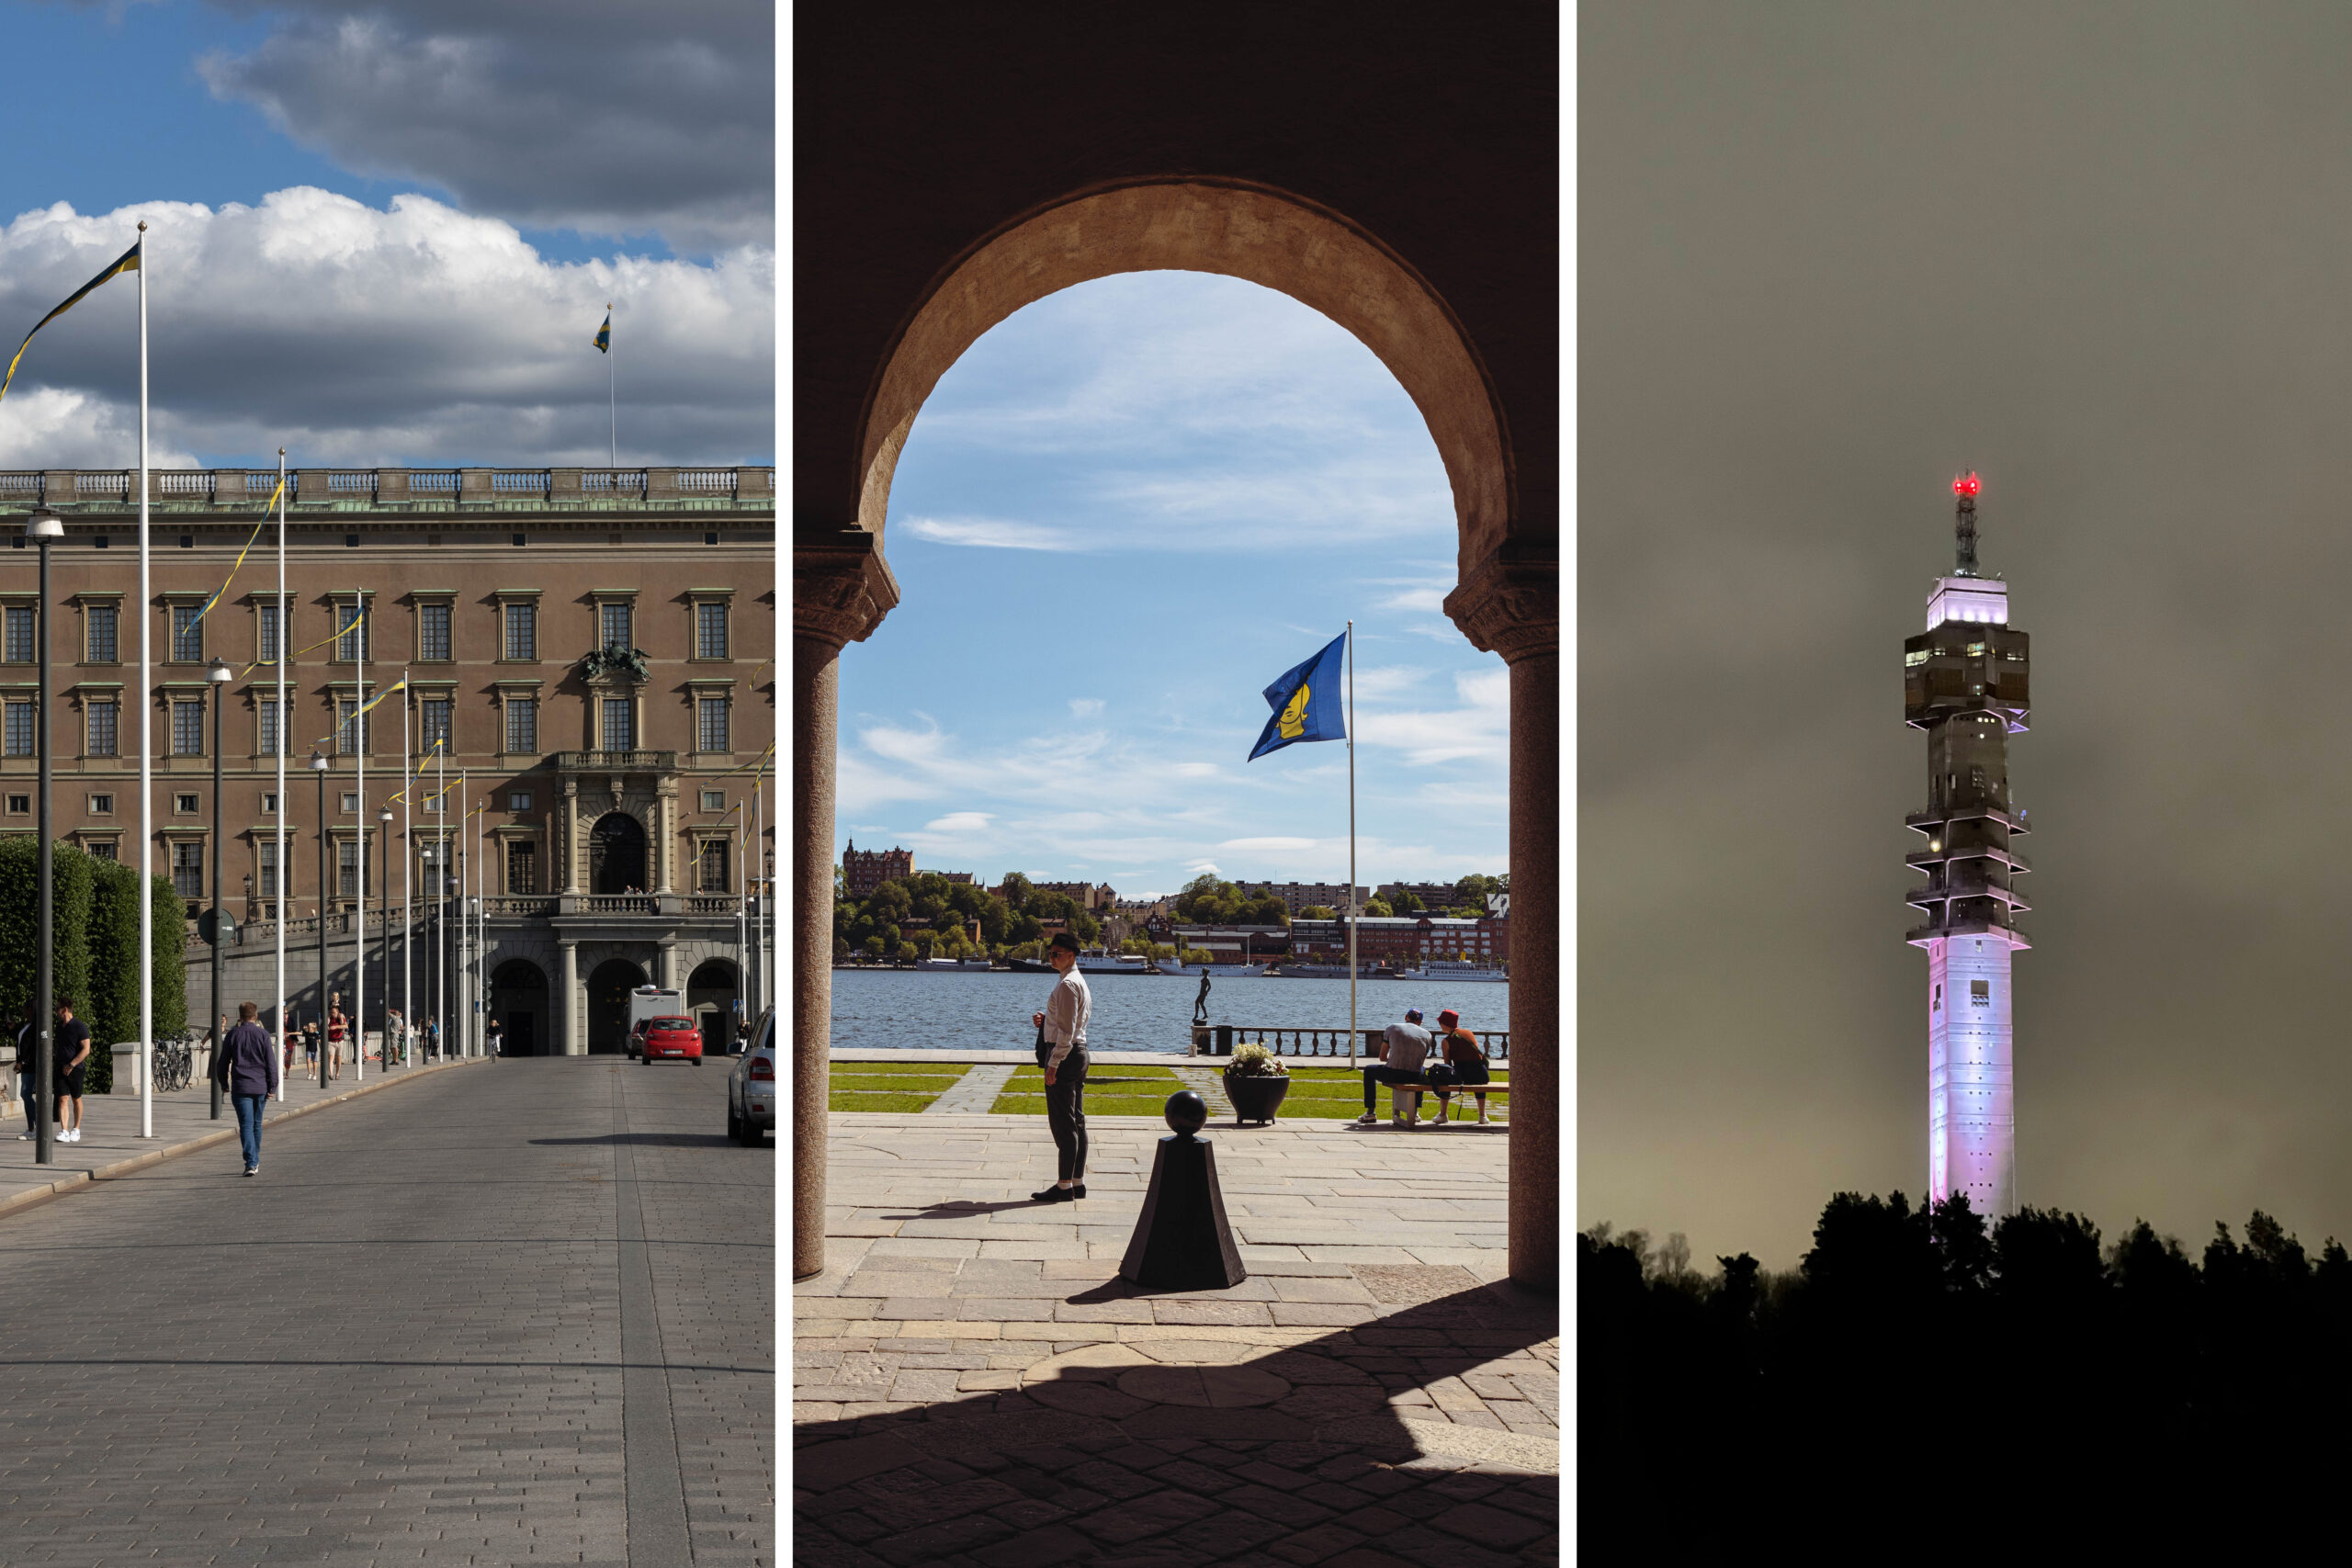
1408,1047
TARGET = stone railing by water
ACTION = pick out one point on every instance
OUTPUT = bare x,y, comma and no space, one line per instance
1219,1038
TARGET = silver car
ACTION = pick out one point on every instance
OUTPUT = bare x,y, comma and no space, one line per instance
751,1085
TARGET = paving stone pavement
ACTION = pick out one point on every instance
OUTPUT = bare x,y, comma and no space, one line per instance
975,1092
972,1383
519,1312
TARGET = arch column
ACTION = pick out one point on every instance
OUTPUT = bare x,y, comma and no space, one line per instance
841,590
1510,604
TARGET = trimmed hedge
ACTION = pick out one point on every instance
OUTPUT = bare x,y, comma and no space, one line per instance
95,924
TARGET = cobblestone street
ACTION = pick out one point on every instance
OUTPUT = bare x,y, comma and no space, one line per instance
521,1311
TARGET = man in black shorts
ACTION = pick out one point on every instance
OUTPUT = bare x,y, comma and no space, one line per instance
72,1062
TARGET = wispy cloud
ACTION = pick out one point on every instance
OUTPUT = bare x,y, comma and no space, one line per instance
990,533
1083,707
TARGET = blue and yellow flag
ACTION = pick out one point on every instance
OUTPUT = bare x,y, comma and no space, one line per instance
127,262
605,333
1306,702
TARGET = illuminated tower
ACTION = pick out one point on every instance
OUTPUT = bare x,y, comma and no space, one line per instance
1965,684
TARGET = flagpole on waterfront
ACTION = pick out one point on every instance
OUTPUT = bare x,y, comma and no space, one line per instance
408,918
146,751
1351,843
612,384
278,870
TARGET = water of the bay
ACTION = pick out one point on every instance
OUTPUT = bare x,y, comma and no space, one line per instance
912,1010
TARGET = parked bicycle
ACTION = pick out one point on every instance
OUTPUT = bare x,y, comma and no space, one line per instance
174,1063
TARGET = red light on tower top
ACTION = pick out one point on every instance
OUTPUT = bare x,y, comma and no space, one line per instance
1965,485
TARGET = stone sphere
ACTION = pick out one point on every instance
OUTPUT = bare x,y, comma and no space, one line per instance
1187,1112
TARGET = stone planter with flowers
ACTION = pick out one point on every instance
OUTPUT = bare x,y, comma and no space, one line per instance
1256,1081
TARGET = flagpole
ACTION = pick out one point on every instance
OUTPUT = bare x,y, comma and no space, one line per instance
408,920
146,752
1351,842
612,396
465,928
359,878
278,872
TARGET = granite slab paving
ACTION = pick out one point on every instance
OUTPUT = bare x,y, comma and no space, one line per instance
520,1310
973,1384
975,1092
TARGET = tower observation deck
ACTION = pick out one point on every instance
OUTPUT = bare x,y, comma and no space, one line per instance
1964,682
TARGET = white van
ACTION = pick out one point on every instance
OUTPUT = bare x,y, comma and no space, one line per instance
650,1001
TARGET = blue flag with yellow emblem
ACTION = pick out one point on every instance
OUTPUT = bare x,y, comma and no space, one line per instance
1306,701
604,343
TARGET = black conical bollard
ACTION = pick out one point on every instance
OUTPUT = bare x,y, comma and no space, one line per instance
1182,1240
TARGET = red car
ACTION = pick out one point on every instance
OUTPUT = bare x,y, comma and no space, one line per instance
679,1038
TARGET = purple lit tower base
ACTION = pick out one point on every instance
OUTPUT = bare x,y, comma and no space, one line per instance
1964,681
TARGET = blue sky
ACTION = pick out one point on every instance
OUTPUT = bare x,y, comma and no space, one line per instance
1120,514
386,233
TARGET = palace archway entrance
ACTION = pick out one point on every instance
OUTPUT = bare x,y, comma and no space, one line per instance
711,993
518,1000
608,990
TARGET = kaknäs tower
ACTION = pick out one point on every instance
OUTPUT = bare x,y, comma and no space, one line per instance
1964,682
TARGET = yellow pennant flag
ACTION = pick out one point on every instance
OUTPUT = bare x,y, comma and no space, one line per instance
127,262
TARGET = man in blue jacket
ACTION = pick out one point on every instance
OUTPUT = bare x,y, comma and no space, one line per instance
246,1065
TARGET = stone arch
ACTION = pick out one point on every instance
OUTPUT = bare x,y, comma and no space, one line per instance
617,862
1265,236
712,991
609,985
520,1002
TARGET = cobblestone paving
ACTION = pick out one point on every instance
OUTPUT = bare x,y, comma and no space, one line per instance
413,1338
973,1385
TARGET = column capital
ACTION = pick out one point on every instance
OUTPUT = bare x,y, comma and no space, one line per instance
841,585
1510,602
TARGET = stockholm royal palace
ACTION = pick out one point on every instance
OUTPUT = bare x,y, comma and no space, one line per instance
617,835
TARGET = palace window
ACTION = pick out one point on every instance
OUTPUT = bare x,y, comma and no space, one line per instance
432,722
619,731
266,883
710,867
267,739
714,800
187,729
432,631
101,805
349,869
523,725
710,725
522,868
351,638
523,631
19,638
100,724
266,639
187,634
101,848
710,630
187,868
351,727
615,622
98,638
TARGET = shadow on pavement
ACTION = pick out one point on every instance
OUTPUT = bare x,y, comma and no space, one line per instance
1176,1450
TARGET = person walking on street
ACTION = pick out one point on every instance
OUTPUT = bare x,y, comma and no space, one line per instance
27,1048
1408,1047
1061,1051
310,1043
72,1062
432,1039
247,1066
395,1036
337,1026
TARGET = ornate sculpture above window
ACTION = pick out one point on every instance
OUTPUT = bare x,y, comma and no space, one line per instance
607,663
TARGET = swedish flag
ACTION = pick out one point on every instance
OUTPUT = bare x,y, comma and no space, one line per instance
127,262
605,333
1305,700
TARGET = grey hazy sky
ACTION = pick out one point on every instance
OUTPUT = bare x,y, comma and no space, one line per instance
1828,256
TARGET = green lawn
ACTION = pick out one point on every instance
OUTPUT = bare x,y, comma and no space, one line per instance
1110,1092
906,1088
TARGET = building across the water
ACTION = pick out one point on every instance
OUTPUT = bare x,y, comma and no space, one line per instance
862,871
1406,940
1297,896
1965,684
609,813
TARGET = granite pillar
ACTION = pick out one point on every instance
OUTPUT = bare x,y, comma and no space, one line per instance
1510,604
841,590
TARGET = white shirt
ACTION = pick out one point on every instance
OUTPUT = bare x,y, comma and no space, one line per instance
1067,1011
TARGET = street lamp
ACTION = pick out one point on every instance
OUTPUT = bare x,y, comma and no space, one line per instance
217,676
48,528
319,766
384,901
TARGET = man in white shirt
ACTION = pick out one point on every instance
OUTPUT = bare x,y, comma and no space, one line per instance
1063,1029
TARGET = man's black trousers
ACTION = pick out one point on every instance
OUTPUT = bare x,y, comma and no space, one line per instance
1381,1075
1066,1113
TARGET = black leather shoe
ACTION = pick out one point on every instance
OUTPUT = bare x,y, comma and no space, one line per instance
1079,1190
1052,1195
